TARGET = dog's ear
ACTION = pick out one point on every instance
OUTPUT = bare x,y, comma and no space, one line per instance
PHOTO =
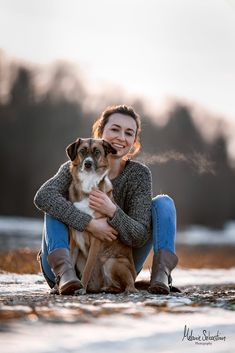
108,148
72,149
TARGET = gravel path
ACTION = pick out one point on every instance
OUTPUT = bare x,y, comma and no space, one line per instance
34,321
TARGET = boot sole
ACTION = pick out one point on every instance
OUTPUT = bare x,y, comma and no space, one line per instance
159,288
70,289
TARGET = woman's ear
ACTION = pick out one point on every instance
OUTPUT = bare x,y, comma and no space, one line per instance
108,148
71,149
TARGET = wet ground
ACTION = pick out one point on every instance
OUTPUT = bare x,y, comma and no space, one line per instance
199,319
34,321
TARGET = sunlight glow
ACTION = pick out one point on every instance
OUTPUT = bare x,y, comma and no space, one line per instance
154,48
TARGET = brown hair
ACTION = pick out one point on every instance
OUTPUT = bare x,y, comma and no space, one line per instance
99,124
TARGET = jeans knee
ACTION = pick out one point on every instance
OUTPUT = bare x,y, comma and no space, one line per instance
164,202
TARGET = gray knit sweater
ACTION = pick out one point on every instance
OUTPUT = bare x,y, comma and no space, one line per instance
132,191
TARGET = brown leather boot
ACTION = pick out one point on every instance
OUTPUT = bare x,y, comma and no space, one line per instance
66,279
164,262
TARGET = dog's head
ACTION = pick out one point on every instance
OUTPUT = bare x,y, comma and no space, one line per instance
90,154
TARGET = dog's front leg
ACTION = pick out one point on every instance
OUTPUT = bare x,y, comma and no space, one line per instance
73,247
95,245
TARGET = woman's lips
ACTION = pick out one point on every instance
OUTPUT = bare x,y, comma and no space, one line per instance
116,145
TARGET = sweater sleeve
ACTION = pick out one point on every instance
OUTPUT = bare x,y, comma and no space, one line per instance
51,198
134,225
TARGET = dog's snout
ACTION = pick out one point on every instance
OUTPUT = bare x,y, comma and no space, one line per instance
88,164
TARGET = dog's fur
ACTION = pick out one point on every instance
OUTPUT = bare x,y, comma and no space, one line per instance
102,265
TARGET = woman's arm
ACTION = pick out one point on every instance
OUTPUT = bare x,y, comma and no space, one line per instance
51,198
134,225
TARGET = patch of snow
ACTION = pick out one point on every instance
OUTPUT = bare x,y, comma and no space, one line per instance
195,235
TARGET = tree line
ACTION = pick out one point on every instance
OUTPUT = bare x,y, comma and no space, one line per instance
35,130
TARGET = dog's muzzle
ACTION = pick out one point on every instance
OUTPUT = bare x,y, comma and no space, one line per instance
88,164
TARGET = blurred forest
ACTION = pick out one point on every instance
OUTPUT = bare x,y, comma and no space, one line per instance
39,118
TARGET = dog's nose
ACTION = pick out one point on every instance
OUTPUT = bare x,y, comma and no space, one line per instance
88,164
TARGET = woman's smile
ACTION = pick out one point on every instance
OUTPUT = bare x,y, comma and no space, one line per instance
120,132
117,145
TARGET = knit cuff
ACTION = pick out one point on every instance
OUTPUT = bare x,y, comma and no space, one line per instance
75,218
86,218
130,232
117,218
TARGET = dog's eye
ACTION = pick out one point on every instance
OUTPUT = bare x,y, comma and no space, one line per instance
83,151
96,152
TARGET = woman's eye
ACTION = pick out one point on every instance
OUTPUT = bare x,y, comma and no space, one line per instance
129,133
114,129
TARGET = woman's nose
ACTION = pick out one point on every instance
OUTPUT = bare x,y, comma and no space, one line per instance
121,136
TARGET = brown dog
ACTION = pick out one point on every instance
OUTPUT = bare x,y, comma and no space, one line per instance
102,266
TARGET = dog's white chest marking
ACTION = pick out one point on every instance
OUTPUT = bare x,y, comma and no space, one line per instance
89,180
84,206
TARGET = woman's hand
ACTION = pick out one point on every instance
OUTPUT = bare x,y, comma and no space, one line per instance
101,203
101,230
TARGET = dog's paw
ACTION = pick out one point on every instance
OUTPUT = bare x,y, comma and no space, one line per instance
131,290
81,291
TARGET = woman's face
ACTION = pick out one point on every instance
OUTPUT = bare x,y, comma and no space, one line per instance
120,132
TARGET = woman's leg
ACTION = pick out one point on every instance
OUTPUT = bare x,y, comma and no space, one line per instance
164,233
141,254
46,269
55,257
55,236
164,223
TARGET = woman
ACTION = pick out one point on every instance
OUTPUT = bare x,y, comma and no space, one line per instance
130,217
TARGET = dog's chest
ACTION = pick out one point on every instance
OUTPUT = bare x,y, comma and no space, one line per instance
89,180
83,206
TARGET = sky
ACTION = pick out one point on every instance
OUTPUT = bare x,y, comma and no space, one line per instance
160,49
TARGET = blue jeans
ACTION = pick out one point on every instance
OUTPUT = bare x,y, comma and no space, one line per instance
163,235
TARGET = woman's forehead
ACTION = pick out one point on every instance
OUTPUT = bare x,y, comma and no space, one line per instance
124,121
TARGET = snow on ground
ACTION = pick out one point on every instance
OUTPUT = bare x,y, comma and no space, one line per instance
181,277
153,333
127,325
155,324
18,232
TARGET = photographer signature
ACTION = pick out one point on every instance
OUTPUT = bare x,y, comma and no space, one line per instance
204,336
